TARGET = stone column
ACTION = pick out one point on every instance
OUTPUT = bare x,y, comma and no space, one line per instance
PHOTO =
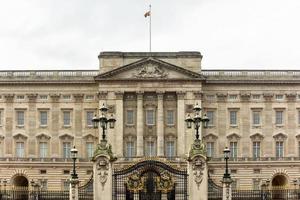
160,124
227,195
140,125
180,123
31,128
74,189
197,170
119,123
102,168
9,116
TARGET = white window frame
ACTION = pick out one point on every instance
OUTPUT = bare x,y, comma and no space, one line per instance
150,150
170,117
89,122
20,118
130,150
233,119
20,149
89,149
279,149
210,117
65,119
170,149
66,149
149,121
43,149
256,149
43,120
130,119
210,149
233,146
279,119
256,121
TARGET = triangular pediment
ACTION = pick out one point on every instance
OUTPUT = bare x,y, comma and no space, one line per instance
149,69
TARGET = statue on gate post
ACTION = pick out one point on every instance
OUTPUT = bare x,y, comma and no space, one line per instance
103,159
197,165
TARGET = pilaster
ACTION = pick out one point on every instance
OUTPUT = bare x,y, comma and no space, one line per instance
160,123
140,124
180,123
119,124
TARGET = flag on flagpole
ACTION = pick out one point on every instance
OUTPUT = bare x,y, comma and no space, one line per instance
147,14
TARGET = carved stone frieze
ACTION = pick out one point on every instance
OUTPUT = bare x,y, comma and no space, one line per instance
55,97
149,70
221,97
198,166
268,96
78,97
245,96
119,95
32,97
102,95
198,95
291,96
9,98
102,170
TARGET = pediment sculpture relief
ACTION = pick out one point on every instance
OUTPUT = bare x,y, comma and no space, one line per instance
150,71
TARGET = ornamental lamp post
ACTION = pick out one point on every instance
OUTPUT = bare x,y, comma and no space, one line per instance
196,120
102,120
226,157
74,152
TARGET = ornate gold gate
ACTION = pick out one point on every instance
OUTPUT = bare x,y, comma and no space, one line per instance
150,180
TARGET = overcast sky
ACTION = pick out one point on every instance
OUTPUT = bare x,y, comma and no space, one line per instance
69,34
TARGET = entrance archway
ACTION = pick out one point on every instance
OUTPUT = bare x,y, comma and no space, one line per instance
20,181
279,181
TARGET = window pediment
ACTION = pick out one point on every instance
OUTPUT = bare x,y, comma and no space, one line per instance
89,136
280,136
257,136
21,136
210,136
43,136
66,136
233,136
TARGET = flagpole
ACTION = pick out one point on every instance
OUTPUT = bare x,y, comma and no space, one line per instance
150,28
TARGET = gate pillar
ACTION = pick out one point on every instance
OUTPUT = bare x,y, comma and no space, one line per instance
102,169
197,170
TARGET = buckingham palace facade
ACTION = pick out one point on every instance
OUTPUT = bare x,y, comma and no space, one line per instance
256,113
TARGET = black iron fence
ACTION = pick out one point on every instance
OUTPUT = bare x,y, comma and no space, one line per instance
274,194
25,194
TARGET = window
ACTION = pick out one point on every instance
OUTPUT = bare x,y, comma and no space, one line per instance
66,172
256,149
43,118
65,185
43,149
279,97
233,97
256,96
43,184
210,149
67,118
66,97
256,171
210,115
129,149
90,149
20,118
279,149
20,97
129,117
66,149
233,149
89,97
233,118
256,118
150,117
150,148
279,117
44,97
89,118
170,117
20,149
170,149
43,171
256,184
210,97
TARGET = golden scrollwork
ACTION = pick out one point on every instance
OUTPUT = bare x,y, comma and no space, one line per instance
135,182
165,182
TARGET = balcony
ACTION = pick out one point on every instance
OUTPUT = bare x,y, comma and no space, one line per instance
251,159
18,159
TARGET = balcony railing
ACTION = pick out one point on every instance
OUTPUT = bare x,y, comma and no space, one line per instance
239,159
251,73
49,73
19,159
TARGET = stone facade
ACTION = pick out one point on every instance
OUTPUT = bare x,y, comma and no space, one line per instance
255,113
